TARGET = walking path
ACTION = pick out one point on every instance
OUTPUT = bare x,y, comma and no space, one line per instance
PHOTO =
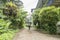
25,34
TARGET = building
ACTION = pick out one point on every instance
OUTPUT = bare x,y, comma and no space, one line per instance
42,3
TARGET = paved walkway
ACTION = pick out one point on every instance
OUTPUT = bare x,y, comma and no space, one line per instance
25,34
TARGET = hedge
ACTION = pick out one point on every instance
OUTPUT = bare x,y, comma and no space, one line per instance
47,18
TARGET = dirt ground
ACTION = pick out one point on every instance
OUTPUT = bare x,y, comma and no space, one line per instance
26,34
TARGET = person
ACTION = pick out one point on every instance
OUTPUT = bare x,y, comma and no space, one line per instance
28,21
29,26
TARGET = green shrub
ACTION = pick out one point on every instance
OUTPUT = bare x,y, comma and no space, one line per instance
4,25
15,15
36,16
8,35
10,9
48,17
11,19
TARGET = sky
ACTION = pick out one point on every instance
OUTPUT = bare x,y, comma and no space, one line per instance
29,4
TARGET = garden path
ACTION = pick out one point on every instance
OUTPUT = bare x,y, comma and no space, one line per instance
26,34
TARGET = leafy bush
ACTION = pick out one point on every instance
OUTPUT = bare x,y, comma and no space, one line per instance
11,19
15,15
47,18
8,35
4,25
10,9
36,16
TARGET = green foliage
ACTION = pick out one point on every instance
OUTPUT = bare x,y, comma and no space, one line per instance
36,16
4,25
15,15
10,9
4,1
47,18
10,21
8,35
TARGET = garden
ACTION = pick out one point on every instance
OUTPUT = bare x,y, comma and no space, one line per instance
13,19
